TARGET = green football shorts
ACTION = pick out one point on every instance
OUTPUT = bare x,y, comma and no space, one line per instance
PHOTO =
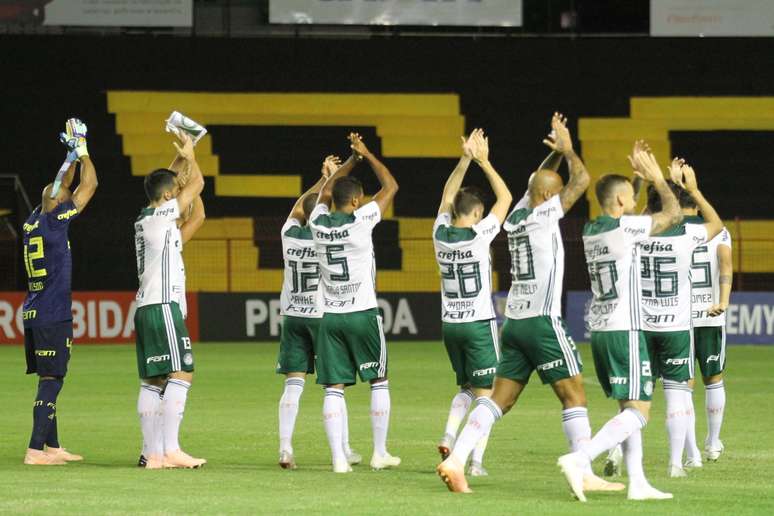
473,350
623,364
351,344
163,345
541,343
671,354
709,344
296,353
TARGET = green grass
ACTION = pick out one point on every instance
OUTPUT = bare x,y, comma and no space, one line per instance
231,420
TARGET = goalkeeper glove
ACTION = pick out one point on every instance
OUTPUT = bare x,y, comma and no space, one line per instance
74,138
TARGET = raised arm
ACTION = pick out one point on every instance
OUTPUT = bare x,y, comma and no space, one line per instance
713,224
69,176
726,270
670,214
389,188
560,141
326,192
454,182
194,221
330,165
193,188
552,162
503,196
639,145
87,184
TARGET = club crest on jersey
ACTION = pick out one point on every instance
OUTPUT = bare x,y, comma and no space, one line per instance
455,255
597,251
656,247
333,235
304,252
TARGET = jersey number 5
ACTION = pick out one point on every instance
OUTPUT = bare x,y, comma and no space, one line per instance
337,260
30,256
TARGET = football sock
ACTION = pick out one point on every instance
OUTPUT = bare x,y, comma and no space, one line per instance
332,407
43,411
691,450
52,441
480,448
716,405
148,404
632,452
676,419
288,410
345,427
172,408
380,415
615,431
459,407
480,422
577,430
157,442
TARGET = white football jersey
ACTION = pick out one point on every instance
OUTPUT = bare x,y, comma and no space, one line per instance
466,269
537,260
159,250
345,253
612,248
302,272
665,270
705,279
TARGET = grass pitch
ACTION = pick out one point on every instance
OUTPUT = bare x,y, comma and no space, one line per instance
231,419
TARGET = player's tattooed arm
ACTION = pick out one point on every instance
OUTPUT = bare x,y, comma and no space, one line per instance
194,220
326,192
389,186
480,151
685,176
454,182
330,165
87,184
648,170
193,188
726,273
559,140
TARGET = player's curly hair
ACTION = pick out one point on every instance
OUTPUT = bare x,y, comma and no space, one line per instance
466,200
157,182
683,197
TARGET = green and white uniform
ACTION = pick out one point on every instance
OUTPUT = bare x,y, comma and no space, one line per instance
665,268
351,338
300,304
709,333
467,312
612,248
163,344
534,335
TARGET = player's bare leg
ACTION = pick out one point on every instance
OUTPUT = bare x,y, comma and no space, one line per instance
173,407
288,411
575,423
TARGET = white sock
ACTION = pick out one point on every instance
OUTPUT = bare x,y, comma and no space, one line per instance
716,404
691,449
157,448
615,431
288,410
345,427
480,448
632,452
172,409
459,408
575,423
148,403
332,404
479,424
380,415
676,419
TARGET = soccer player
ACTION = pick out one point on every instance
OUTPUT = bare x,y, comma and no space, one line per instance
666,305
534,335
164,352
612,245
301,310
47,311
711,275
461,240
351,340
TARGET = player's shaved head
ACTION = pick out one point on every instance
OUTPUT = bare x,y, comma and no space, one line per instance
62,195
158,182
467,200
610,186
308,204
544,184
345,189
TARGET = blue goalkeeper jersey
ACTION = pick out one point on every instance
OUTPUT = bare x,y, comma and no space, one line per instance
49,266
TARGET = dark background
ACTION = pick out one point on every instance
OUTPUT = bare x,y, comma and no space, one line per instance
509,86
